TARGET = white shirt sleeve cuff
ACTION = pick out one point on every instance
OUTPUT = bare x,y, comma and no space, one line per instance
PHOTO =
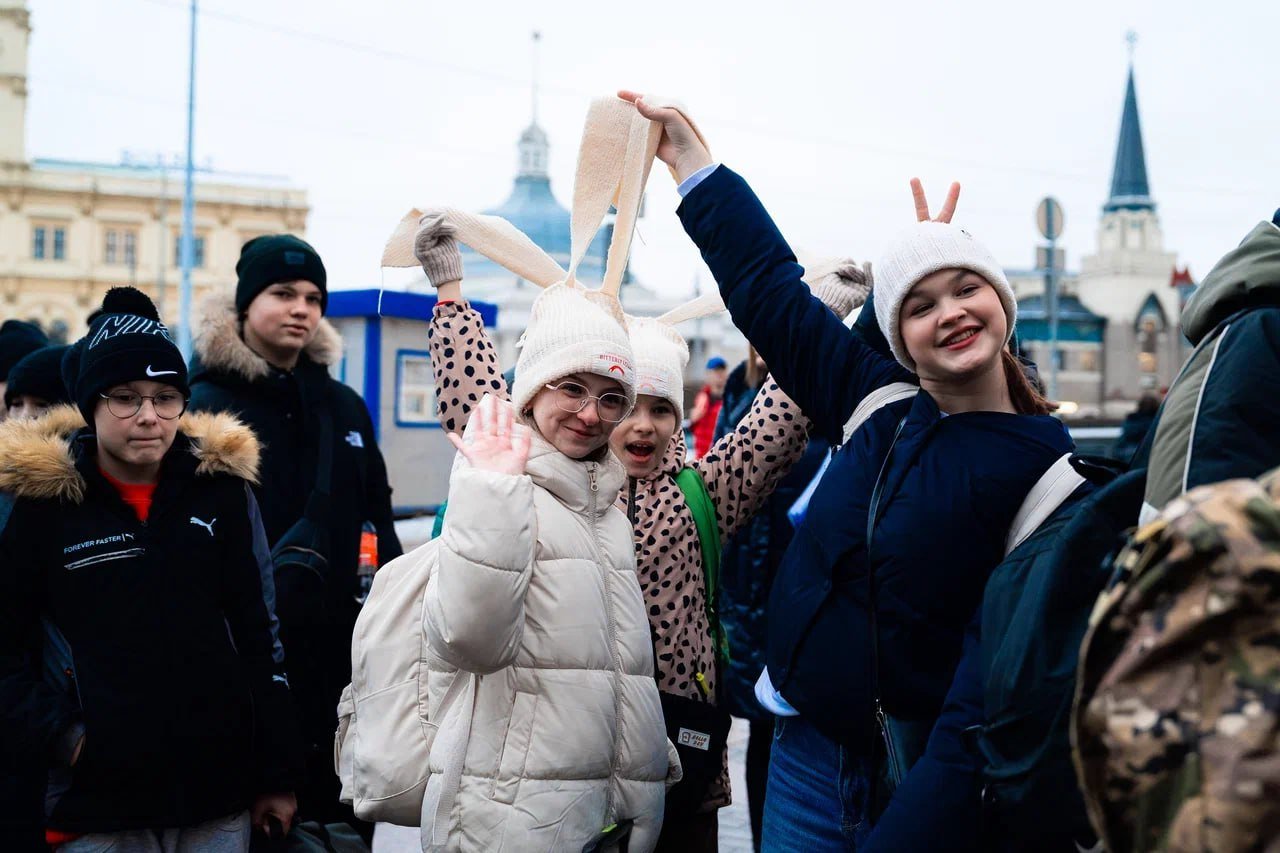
690,183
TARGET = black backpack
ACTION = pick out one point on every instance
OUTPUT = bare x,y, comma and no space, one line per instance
1034,614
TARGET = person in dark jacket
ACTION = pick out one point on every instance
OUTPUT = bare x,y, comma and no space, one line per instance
1135,428
747,568
137,657
883,581
35,384
18,339
751,559
1219,419
263,355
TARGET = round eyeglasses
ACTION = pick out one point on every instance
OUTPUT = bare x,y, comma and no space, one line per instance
125,404
574,397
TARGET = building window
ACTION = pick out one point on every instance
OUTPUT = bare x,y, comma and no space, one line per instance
48,242
415,389
121,246
197,251
1089,360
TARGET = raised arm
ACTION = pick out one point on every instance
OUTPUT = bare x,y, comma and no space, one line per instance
475,600
814,358
812,355
463,357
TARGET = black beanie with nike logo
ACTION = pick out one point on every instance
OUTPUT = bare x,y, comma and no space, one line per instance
126,343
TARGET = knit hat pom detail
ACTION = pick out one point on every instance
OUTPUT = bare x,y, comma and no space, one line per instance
129,300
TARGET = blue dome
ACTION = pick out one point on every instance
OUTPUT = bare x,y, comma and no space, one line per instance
533,209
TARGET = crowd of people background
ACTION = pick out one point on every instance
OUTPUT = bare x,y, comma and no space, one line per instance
834,560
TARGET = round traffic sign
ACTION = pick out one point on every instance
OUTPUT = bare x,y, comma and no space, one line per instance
1049,218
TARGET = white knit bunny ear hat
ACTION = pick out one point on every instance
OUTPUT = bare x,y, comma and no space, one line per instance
662,353
571,329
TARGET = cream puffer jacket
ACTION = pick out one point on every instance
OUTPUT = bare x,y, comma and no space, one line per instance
535,593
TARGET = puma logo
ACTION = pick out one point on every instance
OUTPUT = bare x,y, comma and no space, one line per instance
207,525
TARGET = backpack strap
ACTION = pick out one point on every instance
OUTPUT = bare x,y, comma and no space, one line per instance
460,699
874,402
704,519
1054,486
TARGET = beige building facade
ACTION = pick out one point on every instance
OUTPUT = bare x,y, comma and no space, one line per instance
69,229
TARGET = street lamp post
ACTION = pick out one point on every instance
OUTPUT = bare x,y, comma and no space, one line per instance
187,247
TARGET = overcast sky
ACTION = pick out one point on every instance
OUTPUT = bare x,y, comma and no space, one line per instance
827,108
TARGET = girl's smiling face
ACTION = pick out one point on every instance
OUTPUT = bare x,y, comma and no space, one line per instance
576,434
953,325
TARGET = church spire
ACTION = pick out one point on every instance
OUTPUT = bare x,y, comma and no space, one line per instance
1129,188
534,149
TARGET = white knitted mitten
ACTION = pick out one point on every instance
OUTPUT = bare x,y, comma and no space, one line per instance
841,284
436,248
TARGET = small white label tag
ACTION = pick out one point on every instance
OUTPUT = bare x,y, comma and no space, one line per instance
697,740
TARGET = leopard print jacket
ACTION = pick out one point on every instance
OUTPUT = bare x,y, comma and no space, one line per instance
740,471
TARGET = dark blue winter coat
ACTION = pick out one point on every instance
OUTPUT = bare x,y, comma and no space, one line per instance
750,561
951,490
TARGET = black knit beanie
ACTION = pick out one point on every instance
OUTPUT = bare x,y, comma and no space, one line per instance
38,375
18,339
127,343
273,258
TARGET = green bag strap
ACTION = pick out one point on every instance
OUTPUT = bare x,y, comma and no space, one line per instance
704,519
438,526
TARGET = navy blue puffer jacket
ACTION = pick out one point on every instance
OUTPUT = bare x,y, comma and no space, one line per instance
951,490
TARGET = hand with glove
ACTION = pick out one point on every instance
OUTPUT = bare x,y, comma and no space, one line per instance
436,248
841,284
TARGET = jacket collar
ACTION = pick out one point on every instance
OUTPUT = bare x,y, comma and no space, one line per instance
570,479
42,458
219,347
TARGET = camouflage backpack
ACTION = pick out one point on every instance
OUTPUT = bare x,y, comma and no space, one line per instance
1176,726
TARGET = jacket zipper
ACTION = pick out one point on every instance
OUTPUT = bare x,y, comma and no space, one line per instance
613,639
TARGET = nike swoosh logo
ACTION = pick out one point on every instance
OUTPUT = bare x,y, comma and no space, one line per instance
154,373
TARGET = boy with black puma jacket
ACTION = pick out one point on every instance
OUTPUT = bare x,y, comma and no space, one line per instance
137,653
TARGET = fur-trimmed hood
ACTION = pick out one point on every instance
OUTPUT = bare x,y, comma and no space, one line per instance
37,459
219,347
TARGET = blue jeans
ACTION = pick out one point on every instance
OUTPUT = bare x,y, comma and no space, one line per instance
818,793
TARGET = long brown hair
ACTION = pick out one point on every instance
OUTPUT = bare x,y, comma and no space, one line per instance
1026,397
